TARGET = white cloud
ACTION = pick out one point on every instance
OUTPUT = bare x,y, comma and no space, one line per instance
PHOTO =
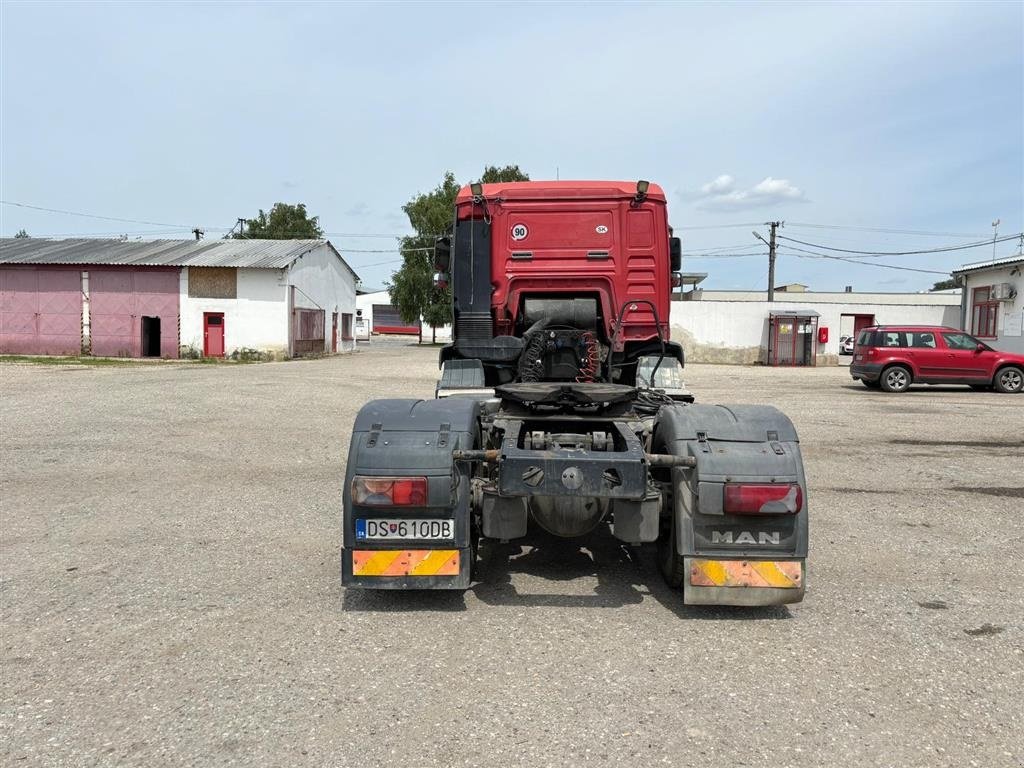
720,186
721,194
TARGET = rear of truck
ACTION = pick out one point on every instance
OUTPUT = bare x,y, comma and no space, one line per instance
561,405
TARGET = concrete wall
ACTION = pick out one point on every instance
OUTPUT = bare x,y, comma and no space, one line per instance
325,282
942,298
256,319
713,331
1009,318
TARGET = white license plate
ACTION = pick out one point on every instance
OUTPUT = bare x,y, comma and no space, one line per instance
396,528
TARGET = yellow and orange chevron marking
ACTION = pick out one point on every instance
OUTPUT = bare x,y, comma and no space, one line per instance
405,562
784,574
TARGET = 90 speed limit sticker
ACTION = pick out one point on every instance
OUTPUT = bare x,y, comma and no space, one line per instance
519,231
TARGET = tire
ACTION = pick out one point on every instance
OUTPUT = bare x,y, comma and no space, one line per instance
669,562
871,384
1009,380
895,379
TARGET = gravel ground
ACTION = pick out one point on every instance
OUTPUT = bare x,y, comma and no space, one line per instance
170,591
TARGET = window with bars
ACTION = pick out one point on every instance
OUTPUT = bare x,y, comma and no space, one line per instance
983,319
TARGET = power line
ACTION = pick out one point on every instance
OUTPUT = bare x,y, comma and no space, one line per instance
883,230
813,254
94,216
698,257
943,249
721,226
740,247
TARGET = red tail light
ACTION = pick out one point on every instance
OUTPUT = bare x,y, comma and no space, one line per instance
774,499
389,491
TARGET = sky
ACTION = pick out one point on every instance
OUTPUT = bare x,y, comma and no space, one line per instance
838,119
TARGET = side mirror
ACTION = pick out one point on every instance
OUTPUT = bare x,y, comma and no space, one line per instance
980,348
442,254
675,253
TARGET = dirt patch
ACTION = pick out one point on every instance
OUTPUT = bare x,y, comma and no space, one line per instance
934,605
1006,493
960,443
859,490
985,630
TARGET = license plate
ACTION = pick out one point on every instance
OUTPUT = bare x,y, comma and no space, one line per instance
408,529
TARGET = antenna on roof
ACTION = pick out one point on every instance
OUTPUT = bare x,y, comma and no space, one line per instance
198,233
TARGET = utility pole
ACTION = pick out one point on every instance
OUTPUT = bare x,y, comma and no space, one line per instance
198,233
774,225
995,234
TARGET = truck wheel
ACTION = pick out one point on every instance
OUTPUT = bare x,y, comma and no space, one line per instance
1009,380
895,378
669,562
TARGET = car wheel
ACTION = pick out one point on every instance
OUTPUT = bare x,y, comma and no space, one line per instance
1009,380
895,378
871,384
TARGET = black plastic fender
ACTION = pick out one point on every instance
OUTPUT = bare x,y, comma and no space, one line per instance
413,438
733,444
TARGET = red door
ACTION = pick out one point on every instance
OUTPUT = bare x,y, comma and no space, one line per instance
860,322
213,334
926,351
964,361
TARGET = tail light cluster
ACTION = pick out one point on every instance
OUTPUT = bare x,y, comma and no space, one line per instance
763,499
389,491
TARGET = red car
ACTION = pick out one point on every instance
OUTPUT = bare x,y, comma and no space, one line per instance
893,357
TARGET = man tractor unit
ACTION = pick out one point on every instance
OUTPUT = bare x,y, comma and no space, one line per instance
561,402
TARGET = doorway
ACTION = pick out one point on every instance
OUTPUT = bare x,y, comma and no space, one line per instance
213,334
851,325
150,336
334,332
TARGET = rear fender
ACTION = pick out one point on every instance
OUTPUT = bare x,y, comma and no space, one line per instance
413,438
733,444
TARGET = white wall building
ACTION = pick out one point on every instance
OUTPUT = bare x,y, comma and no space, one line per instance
171,298
278,297
376,315
993,302
736,326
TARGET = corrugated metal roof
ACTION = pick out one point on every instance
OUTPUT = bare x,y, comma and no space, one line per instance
256,254
1017,258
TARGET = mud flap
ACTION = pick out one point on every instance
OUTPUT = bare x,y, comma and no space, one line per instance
410,438
735,559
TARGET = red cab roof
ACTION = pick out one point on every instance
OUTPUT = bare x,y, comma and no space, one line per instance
539,190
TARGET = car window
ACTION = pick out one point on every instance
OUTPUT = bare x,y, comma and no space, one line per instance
960,341
921,339
893,339
865,339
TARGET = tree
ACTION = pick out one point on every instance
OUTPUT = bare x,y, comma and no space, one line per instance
412,289
944,285
21,234
284,222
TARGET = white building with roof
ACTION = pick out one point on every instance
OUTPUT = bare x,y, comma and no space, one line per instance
171,298
992,307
